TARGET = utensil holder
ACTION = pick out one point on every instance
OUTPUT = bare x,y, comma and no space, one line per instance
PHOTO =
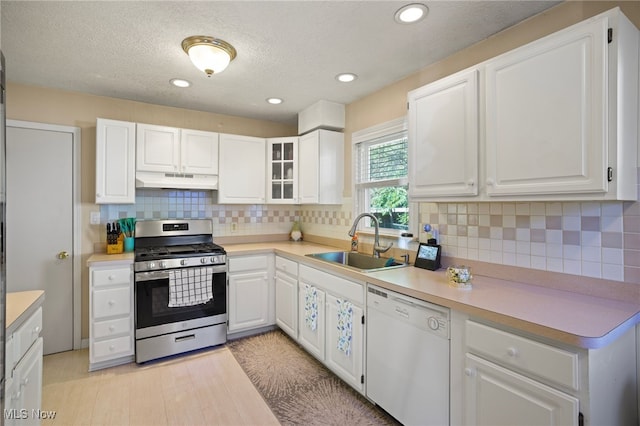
128,244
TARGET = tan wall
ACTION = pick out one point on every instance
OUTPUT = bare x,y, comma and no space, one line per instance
391,102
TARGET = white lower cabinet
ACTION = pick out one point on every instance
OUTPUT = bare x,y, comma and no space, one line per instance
111,313
286,282
330,318
251,292
515,380
23,386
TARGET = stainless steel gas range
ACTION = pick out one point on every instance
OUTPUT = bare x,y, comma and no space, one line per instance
180,288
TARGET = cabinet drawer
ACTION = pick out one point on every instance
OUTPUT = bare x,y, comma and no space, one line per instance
353,291
544,361
287,266
112,327
27,334
248,263
111,302
119,346
103,277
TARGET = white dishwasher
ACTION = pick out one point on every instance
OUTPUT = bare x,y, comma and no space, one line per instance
408,357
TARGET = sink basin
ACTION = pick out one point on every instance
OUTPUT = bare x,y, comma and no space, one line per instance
358,261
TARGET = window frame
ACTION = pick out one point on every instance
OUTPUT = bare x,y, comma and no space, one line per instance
379,131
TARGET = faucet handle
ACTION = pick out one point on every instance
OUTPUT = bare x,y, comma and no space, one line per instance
379,249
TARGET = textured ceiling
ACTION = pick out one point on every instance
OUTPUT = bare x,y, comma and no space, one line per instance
287,49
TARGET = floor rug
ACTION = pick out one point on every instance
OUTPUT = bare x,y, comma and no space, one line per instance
298,388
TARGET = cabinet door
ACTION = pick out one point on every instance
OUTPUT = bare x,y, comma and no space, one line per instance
287,303
546,106
444,137
28,377
115,162
248,300
311,334
242,170
157,148
347,366
497,396
199,152
282,170
309,183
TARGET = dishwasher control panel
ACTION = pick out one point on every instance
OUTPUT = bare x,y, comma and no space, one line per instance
416,312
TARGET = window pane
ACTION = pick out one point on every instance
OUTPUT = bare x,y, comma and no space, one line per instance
388,160
390,205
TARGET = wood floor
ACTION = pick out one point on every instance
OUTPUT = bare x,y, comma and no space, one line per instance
205,388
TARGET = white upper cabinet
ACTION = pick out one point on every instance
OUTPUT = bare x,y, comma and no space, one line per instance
199,152
321,171
282,170
115,162
556,110
172,150
444,136
242,170
157,148
556,119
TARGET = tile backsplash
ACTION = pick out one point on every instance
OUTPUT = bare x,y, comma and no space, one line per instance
593,239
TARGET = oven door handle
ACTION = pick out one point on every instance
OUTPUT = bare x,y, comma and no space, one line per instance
150,276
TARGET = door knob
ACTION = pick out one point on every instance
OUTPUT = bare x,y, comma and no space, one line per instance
63,255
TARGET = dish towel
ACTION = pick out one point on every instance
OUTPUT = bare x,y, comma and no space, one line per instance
345,325
190,286
311,307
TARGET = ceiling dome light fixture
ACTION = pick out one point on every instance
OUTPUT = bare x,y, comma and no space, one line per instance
411,13
210,55
274,101
178,82
346,77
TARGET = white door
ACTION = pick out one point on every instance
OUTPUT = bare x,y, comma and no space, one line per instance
40,226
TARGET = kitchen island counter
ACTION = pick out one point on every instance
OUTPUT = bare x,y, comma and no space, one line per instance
568,317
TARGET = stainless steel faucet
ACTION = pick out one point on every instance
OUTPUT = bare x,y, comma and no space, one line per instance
377,249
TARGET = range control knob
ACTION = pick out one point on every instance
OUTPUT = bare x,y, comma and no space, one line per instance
151,265
163,264
433,323
183,262
203,260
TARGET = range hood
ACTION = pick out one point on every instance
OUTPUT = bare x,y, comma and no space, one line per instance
176,181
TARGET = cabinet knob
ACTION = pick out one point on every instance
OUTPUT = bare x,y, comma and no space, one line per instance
98,195
490,182
469,372
36,329
25,381
111,302
111,328
112,277
471,182
512,352
111,348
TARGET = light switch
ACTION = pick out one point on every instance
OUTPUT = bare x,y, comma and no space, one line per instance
94,218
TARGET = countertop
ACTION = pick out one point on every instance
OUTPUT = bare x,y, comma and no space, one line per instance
104,257
578,320
20,306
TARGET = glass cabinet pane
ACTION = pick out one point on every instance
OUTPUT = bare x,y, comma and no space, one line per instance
288,170
276,191
276,151
288,191
277,171
288,151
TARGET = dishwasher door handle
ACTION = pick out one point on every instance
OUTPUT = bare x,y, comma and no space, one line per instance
405,301
402,312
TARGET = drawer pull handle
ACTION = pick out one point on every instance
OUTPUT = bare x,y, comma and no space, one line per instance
512,352
183,338
36,329
469,372
112,277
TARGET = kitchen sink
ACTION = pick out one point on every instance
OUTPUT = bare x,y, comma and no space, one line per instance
358,261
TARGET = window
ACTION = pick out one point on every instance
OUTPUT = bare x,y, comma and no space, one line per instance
380,177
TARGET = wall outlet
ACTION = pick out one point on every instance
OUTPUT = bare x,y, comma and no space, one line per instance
94,218
234,227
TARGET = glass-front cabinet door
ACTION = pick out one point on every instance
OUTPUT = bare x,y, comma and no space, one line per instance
282,166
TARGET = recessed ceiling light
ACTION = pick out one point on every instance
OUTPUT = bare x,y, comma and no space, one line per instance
411,13
274,101
178,82
346,77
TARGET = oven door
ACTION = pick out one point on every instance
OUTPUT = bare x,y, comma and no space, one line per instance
152,303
